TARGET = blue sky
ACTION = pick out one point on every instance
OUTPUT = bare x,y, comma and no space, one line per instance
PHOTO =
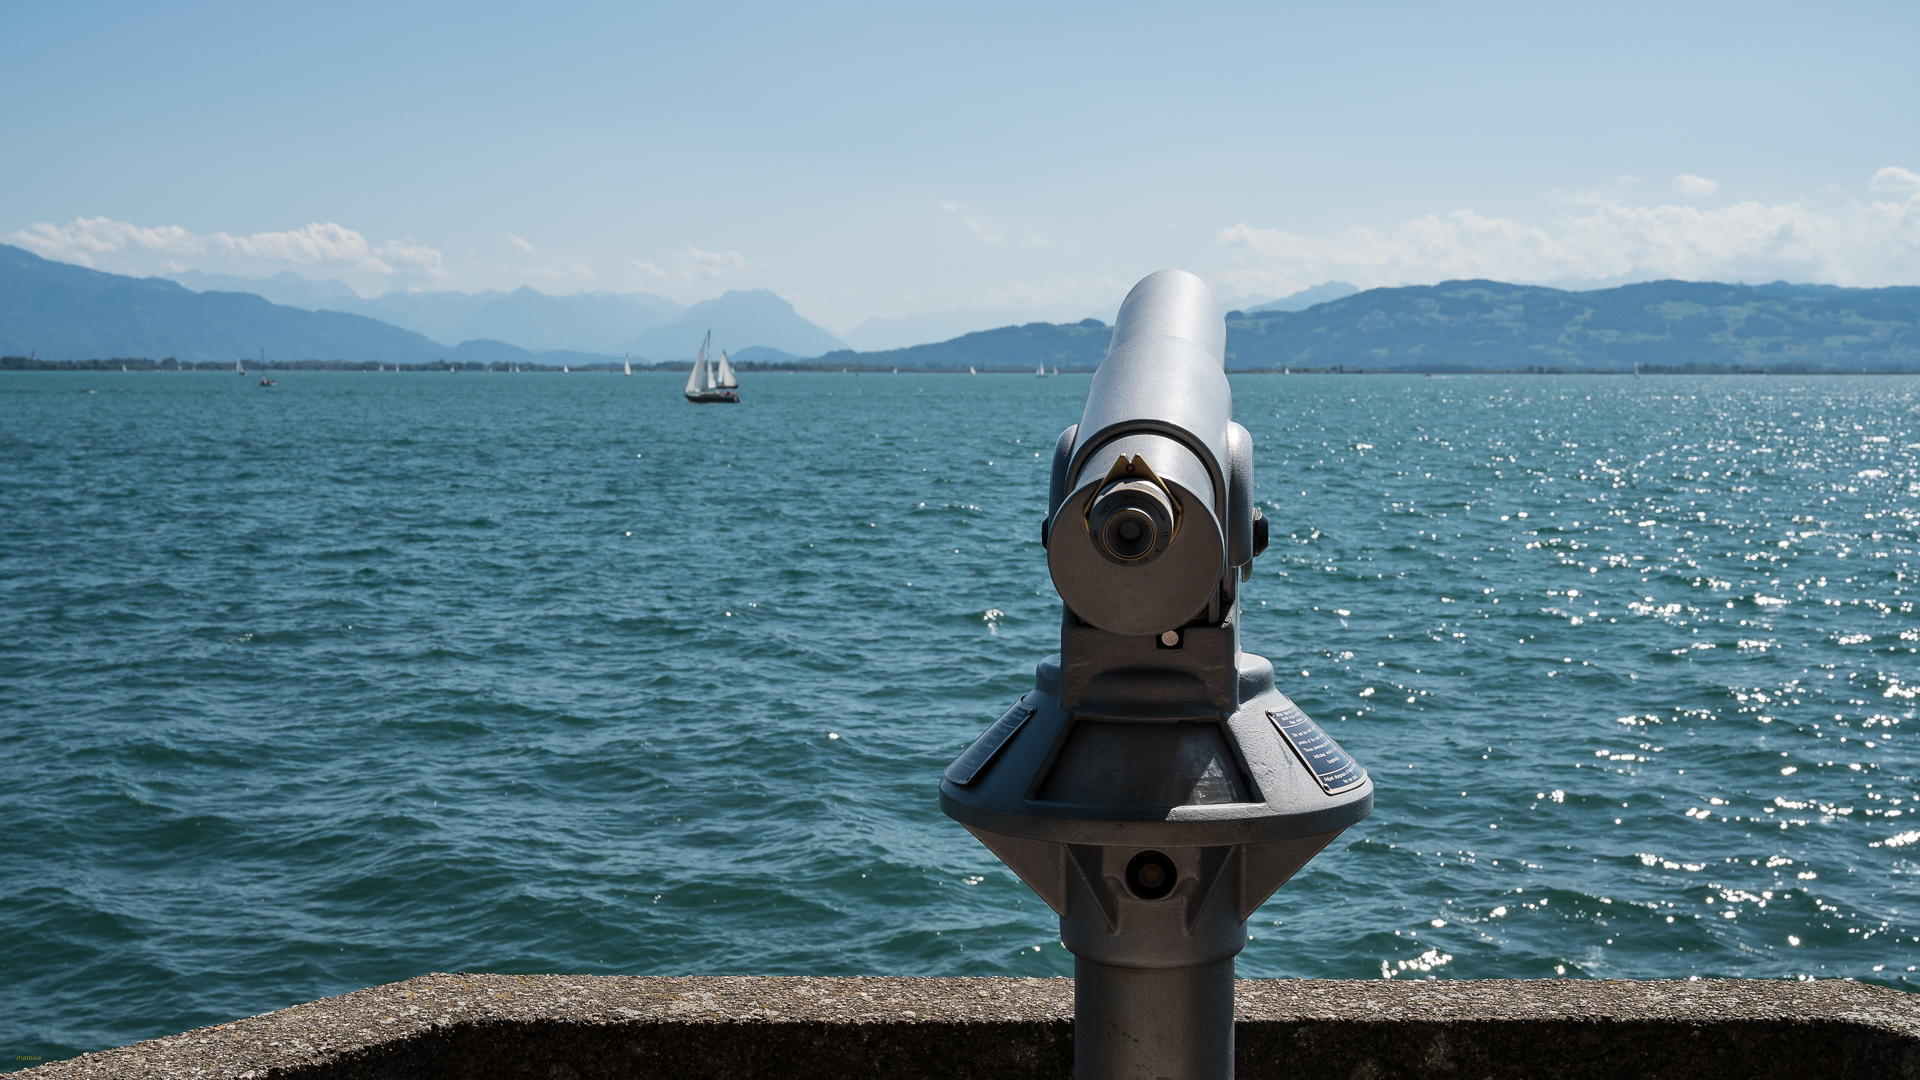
889,160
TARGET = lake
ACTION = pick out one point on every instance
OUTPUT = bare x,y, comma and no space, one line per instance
368,675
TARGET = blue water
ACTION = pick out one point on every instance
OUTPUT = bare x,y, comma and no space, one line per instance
369,675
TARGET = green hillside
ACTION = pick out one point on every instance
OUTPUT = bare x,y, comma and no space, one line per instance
1076,346
1486,325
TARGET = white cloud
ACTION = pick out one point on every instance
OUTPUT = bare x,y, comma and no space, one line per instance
519,244
85,238
697,263
1876,242
319,244
417,258
986,229
315,244
1894,178
1694,187
572,269
981,226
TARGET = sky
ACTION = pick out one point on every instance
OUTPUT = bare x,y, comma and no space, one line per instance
880,161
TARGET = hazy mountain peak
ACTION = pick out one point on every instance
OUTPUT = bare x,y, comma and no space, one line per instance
285,287
1323,293
739,319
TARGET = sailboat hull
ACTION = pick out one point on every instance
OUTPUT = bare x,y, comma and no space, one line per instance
713,397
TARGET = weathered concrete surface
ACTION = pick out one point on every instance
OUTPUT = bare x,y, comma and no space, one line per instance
574,1027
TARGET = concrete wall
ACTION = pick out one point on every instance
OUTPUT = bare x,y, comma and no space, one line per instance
573,1027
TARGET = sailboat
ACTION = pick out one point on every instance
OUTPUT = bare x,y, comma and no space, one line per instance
1040,372
264,381
239,365
1056,369
970,370
626,365
710,382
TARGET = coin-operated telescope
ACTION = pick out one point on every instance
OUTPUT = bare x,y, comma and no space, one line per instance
1155,787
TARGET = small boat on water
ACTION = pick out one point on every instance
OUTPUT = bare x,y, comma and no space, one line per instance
239,365
626,366
710,383
264,381
1040,372
970,370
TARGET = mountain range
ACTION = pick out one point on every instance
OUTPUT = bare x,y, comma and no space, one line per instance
1490,325
58,311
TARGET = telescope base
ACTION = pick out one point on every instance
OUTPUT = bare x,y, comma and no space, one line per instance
1152,1023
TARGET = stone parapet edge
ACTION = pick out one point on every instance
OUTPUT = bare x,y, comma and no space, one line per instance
472,1025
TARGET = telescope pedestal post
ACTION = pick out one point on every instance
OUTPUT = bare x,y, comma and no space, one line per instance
1152,1023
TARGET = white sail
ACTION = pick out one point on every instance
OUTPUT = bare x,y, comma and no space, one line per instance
626,362
727,381
1041,371
700,378
239,365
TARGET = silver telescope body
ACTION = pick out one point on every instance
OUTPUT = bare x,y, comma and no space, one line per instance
1151,503
1155,786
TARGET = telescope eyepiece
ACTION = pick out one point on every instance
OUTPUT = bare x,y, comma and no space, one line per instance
1132,520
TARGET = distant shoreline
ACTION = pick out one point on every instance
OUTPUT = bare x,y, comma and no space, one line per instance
140,364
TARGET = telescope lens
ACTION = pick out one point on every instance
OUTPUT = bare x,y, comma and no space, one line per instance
1131,522
1129,534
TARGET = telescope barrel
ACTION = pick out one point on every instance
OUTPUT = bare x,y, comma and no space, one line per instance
1144,500
1165,373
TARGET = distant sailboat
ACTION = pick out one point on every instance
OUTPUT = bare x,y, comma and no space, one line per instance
970,370
1636,369
1056,369
1040,372
239,365
626,365
709,382
565,370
